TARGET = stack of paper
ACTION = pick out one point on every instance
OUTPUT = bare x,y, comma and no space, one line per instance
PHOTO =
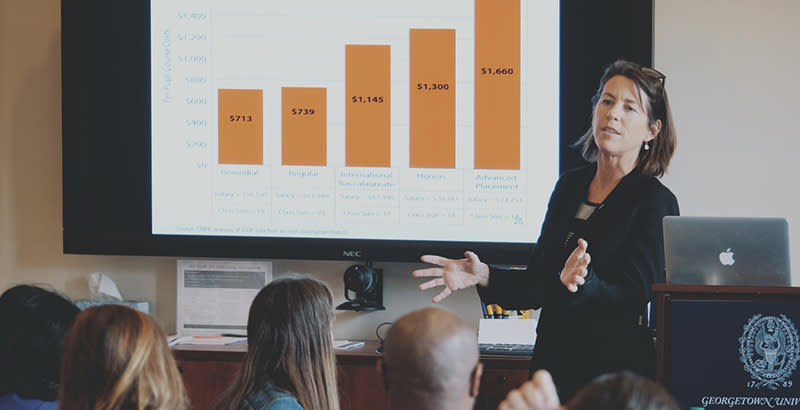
347,344
207,340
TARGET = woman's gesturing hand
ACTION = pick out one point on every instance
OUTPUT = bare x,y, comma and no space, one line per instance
453,274
577,267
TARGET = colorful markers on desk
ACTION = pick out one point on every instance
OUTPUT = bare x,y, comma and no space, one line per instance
488,311
494,311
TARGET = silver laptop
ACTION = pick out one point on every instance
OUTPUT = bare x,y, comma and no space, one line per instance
727,251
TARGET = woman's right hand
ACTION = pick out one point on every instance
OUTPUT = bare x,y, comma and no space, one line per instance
577,267
453,274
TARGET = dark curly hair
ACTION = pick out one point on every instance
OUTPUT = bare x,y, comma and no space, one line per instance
622,391
34,322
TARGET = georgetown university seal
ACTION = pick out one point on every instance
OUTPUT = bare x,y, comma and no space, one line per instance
769,349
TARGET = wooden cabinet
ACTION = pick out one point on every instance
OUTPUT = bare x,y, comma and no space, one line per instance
495,385
208,370
361,386
206,381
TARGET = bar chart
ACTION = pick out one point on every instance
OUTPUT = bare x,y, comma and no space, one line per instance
240,127
303,130
497,84
354,120
432,87
368,101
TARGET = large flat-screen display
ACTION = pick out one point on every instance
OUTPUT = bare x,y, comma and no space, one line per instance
318,129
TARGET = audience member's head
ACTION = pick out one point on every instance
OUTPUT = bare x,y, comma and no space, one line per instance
117,358
622,391
33,324
290,354
613,391
431,361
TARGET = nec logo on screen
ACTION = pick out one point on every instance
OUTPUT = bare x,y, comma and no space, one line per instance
351,254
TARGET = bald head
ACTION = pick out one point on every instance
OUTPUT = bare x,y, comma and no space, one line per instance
430,357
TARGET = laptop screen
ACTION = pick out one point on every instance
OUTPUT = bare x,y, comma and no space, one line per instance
727,251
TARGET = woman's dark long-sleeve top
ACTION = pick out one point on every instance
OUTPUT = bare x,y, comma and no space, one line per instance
596,330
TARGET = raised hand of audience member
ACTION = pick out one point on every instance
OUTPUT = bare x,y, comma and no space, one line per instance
539,393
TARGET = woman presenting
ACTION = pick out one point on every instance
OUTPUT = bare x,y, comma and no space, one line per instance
601,243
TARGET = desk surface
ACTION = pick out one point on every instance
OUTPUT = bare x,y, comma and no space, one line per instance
732,290
364,355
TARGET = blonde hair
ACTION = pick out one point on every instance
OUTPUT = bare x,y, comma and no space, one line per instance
290,345
117,358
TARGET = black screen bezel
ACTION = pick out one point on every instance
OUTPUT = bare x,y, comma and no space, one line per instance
106,134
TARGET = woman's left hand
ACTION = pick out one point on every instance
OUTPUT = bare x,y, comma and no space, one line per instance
577,267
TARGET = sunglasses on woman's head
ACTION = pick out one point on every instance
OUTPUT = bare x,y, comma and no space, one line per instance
654,74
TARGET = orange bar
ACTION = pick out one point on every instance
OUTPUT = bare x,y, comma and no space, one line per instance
241,127
433,98
497,84
367,113
304,126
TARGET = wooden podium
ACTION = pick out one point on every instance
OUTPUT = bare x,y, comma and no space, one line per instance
728,346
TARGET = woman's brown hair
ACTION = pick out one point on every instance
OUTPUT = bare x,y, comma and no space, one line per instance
622,391
653,161
290,345
117,358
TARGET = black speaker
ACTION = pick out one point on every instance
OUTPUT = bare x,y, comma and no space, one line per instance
367,284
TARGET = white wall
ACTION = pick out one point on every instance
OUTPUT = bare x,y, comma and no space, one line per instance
733,77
